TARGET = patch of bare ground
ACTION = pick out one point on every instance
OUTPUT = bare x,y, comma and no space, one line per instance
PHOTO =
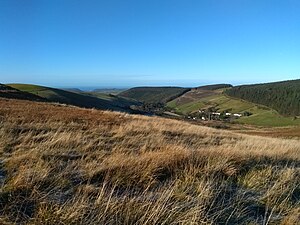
66,165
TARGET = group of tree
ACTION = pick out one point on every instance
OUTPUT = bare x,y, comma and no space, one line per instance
284,96
213,87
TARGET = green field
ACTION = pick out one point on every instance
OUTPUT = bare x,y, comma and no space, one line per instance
186,108
261,115
269,118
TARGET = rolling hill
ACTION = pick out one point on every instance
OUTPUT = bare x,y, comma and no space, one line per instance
283,97
114,91
10,92
154,94
277,105
77,99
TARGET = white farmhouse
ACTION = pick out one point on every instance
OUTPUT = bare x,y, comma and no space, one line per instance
237,115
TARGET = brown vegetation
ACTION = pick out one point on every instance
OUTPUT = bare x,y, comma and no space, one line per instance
278,132
65,165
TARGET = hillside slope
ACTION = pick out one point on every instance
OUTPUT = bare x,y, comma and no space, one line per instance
76,99
154,94
282,96
192,100
9,92
66,165
197,99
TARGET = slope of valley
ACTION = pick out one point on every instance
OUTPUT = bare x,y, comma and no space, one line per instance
67,165
81,99
12,93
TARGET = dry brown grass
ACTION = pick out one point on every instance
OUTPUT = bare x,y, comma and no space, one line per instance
65,165
277,132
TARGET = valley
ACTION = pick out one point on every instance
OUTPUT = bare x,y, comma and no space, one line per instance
71,156
204,103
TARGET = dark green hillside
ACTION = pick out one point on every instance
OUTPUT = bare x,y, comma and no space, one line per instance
154,94
109,90
114,99
282,96
76,99
9,92
214,87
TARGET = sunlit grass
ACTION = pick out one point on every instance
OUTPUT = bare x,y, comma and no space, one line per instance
65,165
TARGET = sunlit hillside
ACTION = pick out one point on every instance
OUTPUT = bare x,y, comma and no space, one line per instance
261,115
66,165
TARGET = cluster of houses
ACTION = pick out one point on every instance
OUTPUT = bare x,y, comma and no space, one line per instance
213,115
226,114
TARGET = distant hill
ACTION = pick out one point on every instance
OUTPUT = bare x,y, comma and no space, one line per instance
154,94
76,90
109,90
214,87
282,96
76,99
9,92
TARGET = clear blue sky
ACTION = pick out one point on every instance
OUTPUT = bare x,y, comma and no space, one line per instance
148,42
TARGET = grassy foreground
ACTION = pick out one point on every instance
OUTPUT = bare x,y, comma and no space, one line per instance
65,165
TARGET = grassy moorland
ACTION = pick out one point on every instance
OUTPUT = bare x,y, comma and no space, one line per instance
66,165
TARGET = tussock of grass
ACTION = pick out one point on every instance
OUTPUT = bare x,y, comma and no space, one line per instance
62,165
